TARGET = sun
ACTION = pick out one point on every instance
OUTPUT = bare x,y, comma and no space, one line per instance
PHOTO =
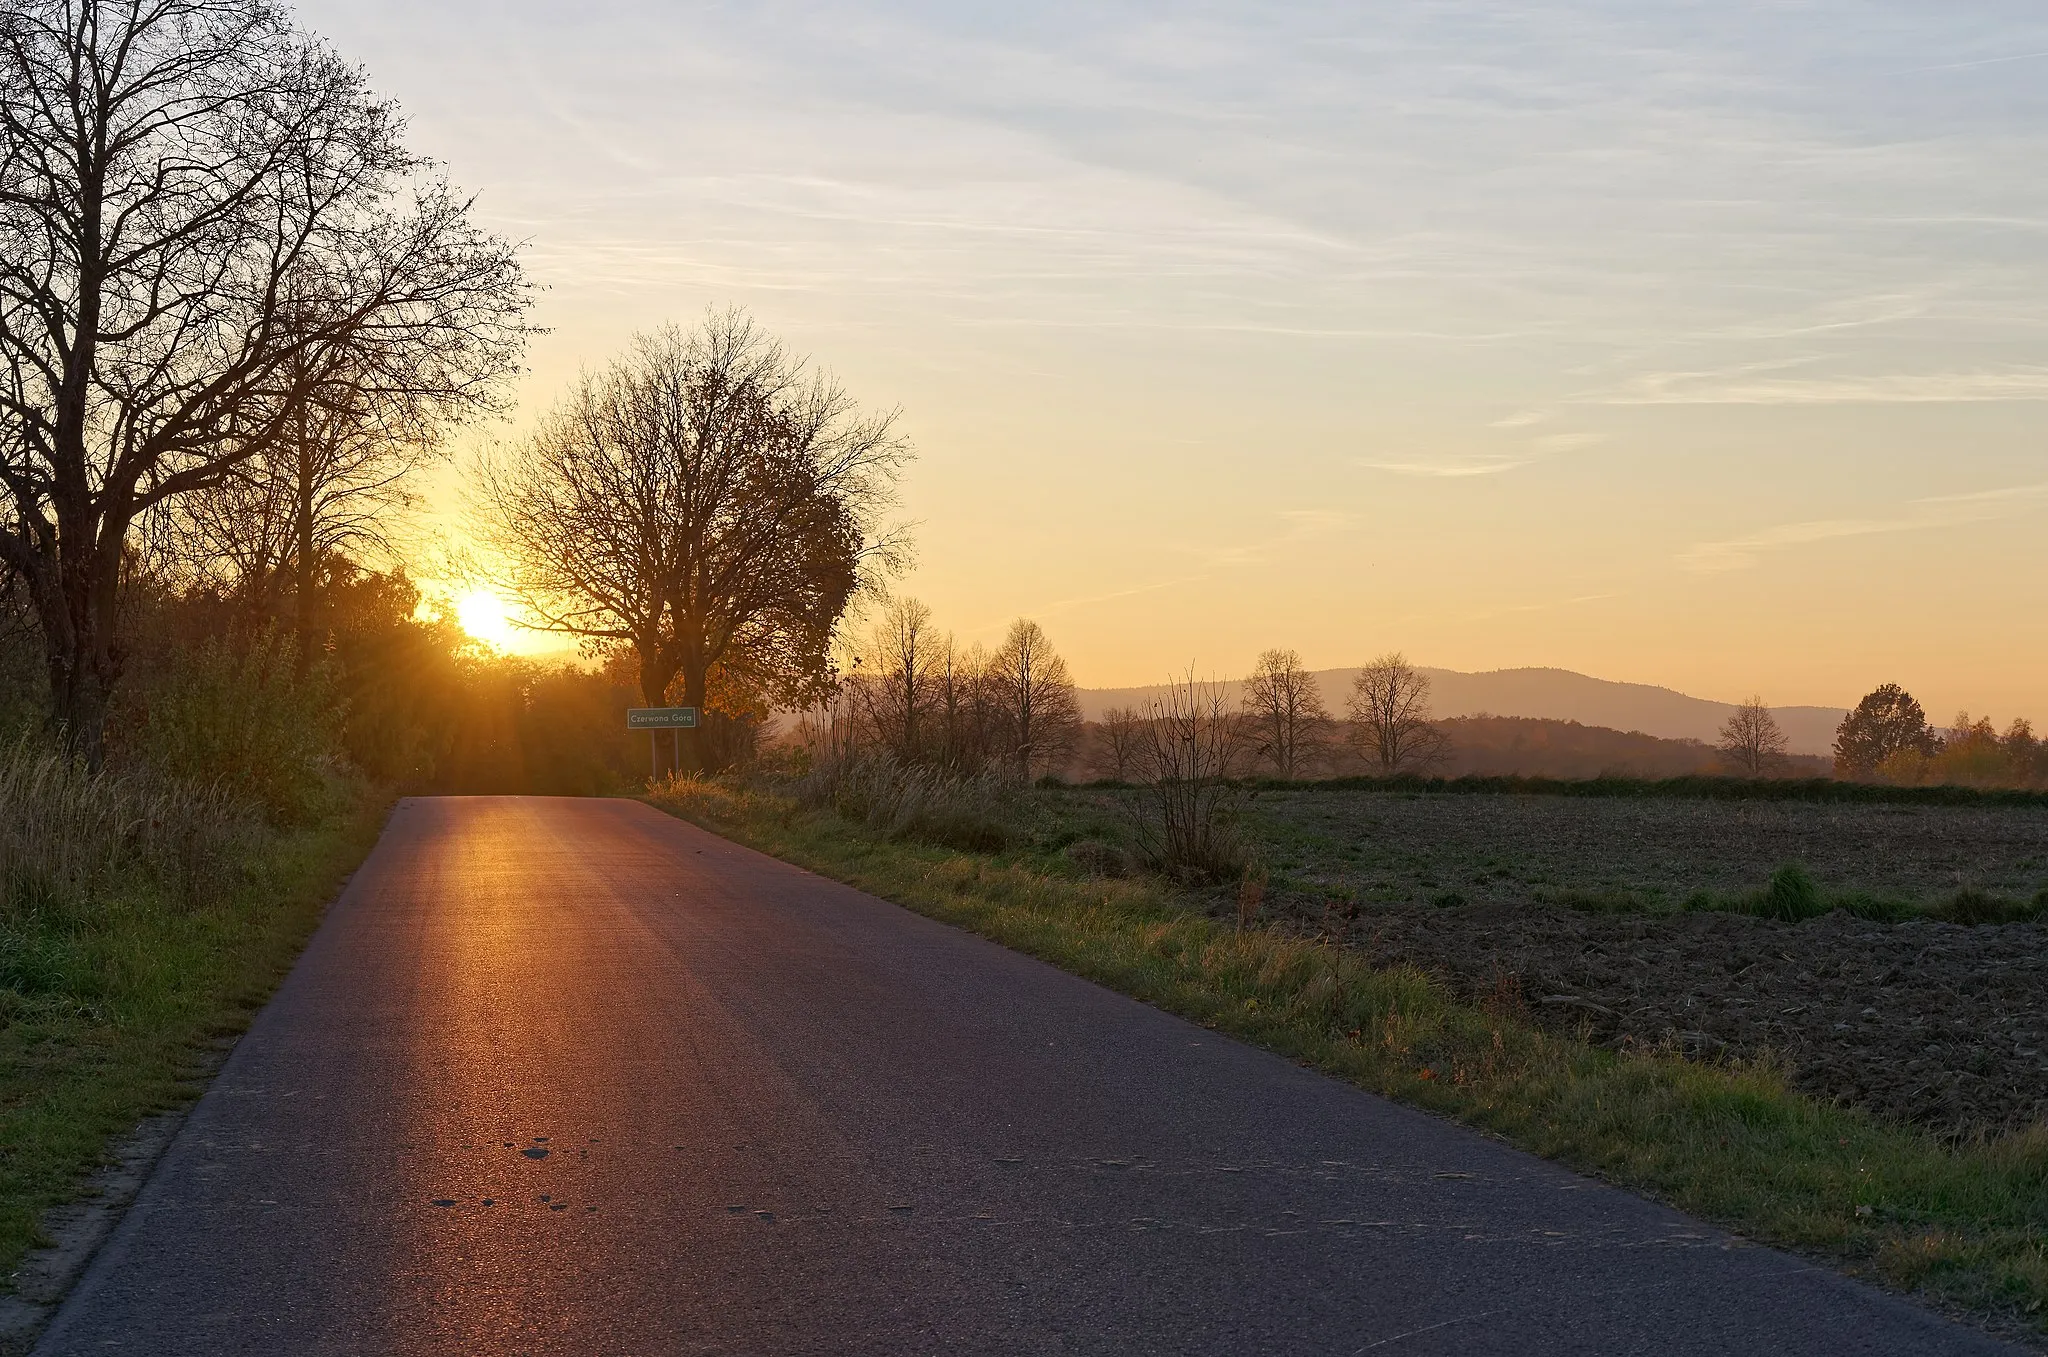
482,614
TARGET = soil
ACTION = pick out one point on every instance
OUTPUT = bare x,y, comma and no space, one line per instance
1934,1023
1938,1024
1508,849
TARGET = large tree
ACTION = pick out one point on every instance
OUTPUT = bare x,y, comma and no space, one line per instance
708,501
1886,723
1752,740
1286,711
1389,711
199,206
289,525
1033,697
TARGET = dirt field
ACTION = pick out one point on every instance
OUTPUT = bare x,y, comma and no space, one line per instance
1935,1023
1515,849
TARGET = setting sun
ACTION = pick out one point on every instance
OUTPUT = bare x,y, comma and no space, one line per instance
481,613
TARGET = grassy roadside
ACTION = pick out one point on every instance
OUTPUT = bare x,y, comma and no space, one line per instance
1965,1228
108,1012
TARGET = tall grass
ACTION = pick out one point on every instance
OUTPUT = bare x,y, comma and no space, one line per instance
68,834
141,917
899,800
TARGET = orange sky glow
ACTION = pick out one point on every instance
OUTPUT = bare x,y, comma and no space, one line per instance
1687,349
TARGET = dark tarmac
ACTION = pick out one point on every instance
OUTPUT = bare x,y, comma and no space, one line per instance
571,1076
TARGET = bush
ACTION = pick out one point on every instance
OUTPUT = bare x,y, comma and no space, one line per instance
1097,858
244,720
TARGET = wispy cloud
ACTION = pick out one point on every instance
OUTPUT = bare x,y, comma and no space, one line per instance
1302,525
1485,466
1905,388
1934,511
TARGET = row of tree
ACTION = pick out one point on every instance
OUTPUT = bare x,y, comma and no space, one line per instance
1887,736
915,691
1284,727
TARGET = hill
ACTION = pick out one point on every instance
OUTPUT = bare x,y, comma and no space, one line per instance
1555,695
1525,746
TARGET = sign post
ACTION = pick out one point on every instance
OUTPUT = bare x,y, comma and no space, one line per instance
651,719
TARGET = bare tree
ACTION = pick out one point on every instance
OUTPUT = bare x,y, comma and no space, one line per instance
964,710
1752,739
199,204
1389,711
898,682
1117,738
1034,697
1191,743
1286,711
707,500
336,486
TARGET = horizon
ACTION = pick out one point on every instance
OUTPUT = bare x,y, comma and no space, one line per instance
1670,349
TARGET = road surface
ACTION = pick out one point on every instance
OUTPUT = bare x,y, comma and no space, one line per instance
571,1076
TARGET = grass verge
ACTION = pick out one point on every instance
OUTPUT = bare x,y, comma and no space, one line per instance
110,1003
1966,1228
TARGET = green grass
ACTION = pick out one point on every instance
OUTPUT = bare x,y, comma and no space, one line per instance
1964,1227
111,999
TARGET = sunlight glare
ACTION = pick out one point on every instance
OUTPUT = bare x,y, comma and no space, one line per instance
481,613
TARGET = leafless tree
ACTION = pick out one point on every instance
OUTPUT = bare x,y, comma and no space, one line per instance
1191,743
964,710
1389,711
1285,709
1117,738
199,204
1752,740
898,682
338,486
709,501
1034,695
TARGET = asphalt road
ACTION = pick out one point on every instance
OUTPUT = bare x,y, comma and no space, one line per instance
562,1076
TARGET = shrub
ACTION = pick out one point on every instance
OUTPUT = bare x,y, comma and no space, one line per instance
1097,858
242,719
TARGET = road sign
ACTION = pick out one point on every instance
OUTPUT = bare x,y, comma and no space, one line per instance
661,718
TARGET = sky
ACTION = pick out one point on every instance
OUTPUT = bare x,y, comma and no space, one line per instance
1703,344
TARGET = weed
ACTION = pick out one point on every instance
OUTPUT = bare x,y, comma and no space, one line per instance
1791,895
1972,906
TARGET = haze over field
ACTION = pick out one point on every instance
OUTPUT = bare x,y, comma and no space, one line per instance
1558,695
1703,348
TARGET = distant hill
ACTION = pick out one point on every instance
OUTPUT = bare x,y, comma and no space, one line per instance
1556,695
1527,746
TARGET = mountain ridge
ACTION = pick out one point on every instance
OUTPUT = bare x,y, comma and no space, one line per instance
1550,694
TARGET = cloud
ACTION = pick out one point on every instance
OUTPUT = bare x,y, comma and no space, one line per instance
1934,511
1569,442
1695,388
1450,470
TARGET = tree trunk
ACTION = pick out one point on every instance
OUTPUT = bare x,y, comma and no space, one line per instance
76,603
655,677
305,560
693,737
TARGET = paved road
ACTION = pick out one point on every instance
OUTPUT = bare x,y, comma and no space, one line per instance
563,1076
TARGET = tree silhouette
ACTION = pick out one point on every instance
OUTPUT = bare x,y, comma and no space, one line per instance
200,207
1752,739
1887,722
